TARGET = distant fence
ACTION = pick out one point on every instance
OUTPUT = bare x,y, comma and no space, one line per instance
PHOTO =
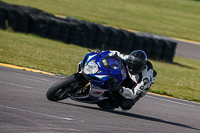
92,35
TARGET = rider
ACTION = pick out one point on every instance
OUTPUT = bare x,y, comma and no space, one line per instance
140,77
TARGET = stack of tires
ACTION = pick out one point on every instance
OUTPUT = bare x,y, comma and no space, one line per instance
92,35
31,20
159,47
16,17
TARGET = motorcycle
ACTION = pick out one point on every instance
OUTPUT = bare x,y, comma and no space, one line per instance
95,82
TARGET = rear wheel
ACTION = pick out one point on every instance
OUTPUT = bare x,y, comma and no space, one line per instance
61,89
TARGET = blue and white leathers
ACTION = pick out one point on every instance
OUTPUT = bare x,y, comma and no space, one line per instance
147,75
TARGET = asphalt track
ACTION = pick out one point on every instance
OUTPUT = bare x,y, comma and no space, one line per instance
25,109
188,49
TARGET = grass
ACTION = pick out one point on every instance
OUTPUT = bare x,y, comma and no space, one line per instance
35,52
180,80
174,18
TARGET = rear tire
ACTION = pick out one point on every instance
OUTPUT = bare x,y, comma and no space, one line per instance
61,89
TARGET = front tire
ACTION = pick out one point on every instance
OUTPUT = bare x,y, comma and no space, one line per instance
61,89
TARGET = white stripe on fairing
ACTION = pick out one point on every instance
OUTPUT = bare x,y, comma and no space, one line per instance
101,76
90,57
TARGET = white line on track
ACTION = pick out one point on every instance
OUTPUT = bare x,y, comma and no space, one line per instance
16,85
64,118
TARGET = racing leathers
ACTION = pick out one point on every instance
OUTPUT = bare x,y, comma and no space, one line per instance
134,86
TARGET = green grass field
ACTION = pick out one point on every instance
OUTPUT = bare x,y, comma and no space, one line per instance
180,79
174,18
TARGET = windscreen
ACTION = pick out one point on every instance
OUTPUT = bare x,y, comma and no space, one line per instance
112,63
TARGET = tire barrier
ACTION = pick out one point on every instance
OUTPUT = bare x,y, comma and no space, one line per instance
138,41
101,37
168,51
156,48
127,42
90,31
63,33
23,17
114,39
38,24
86,34
12,16
147,43
2,16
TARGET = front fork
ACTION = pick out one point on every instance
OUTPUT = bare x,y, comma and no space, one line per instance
81,84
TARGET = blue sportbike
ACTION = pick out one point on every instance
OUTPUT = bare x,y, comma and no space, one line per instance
95,82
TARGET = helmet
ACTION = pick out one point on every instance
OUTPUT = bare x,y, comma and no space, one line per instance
136,62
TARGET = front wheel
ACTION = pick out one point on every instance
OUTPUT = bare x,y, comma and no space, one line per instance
61,89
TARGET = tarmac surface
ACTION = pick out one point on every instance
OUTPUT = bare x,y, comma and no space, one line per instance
25,109
188,49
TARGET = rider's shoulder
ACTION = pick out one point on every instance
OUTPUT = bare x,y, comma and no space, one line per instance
149,65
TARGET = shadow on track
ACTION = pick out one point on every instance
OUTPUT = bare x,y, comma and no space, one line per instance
133,115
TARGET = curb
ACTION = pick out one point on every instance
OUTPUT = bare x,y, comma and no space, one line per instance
27,69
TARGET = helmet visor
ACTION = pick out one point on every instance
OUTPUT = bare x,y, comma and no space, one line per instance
135,68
